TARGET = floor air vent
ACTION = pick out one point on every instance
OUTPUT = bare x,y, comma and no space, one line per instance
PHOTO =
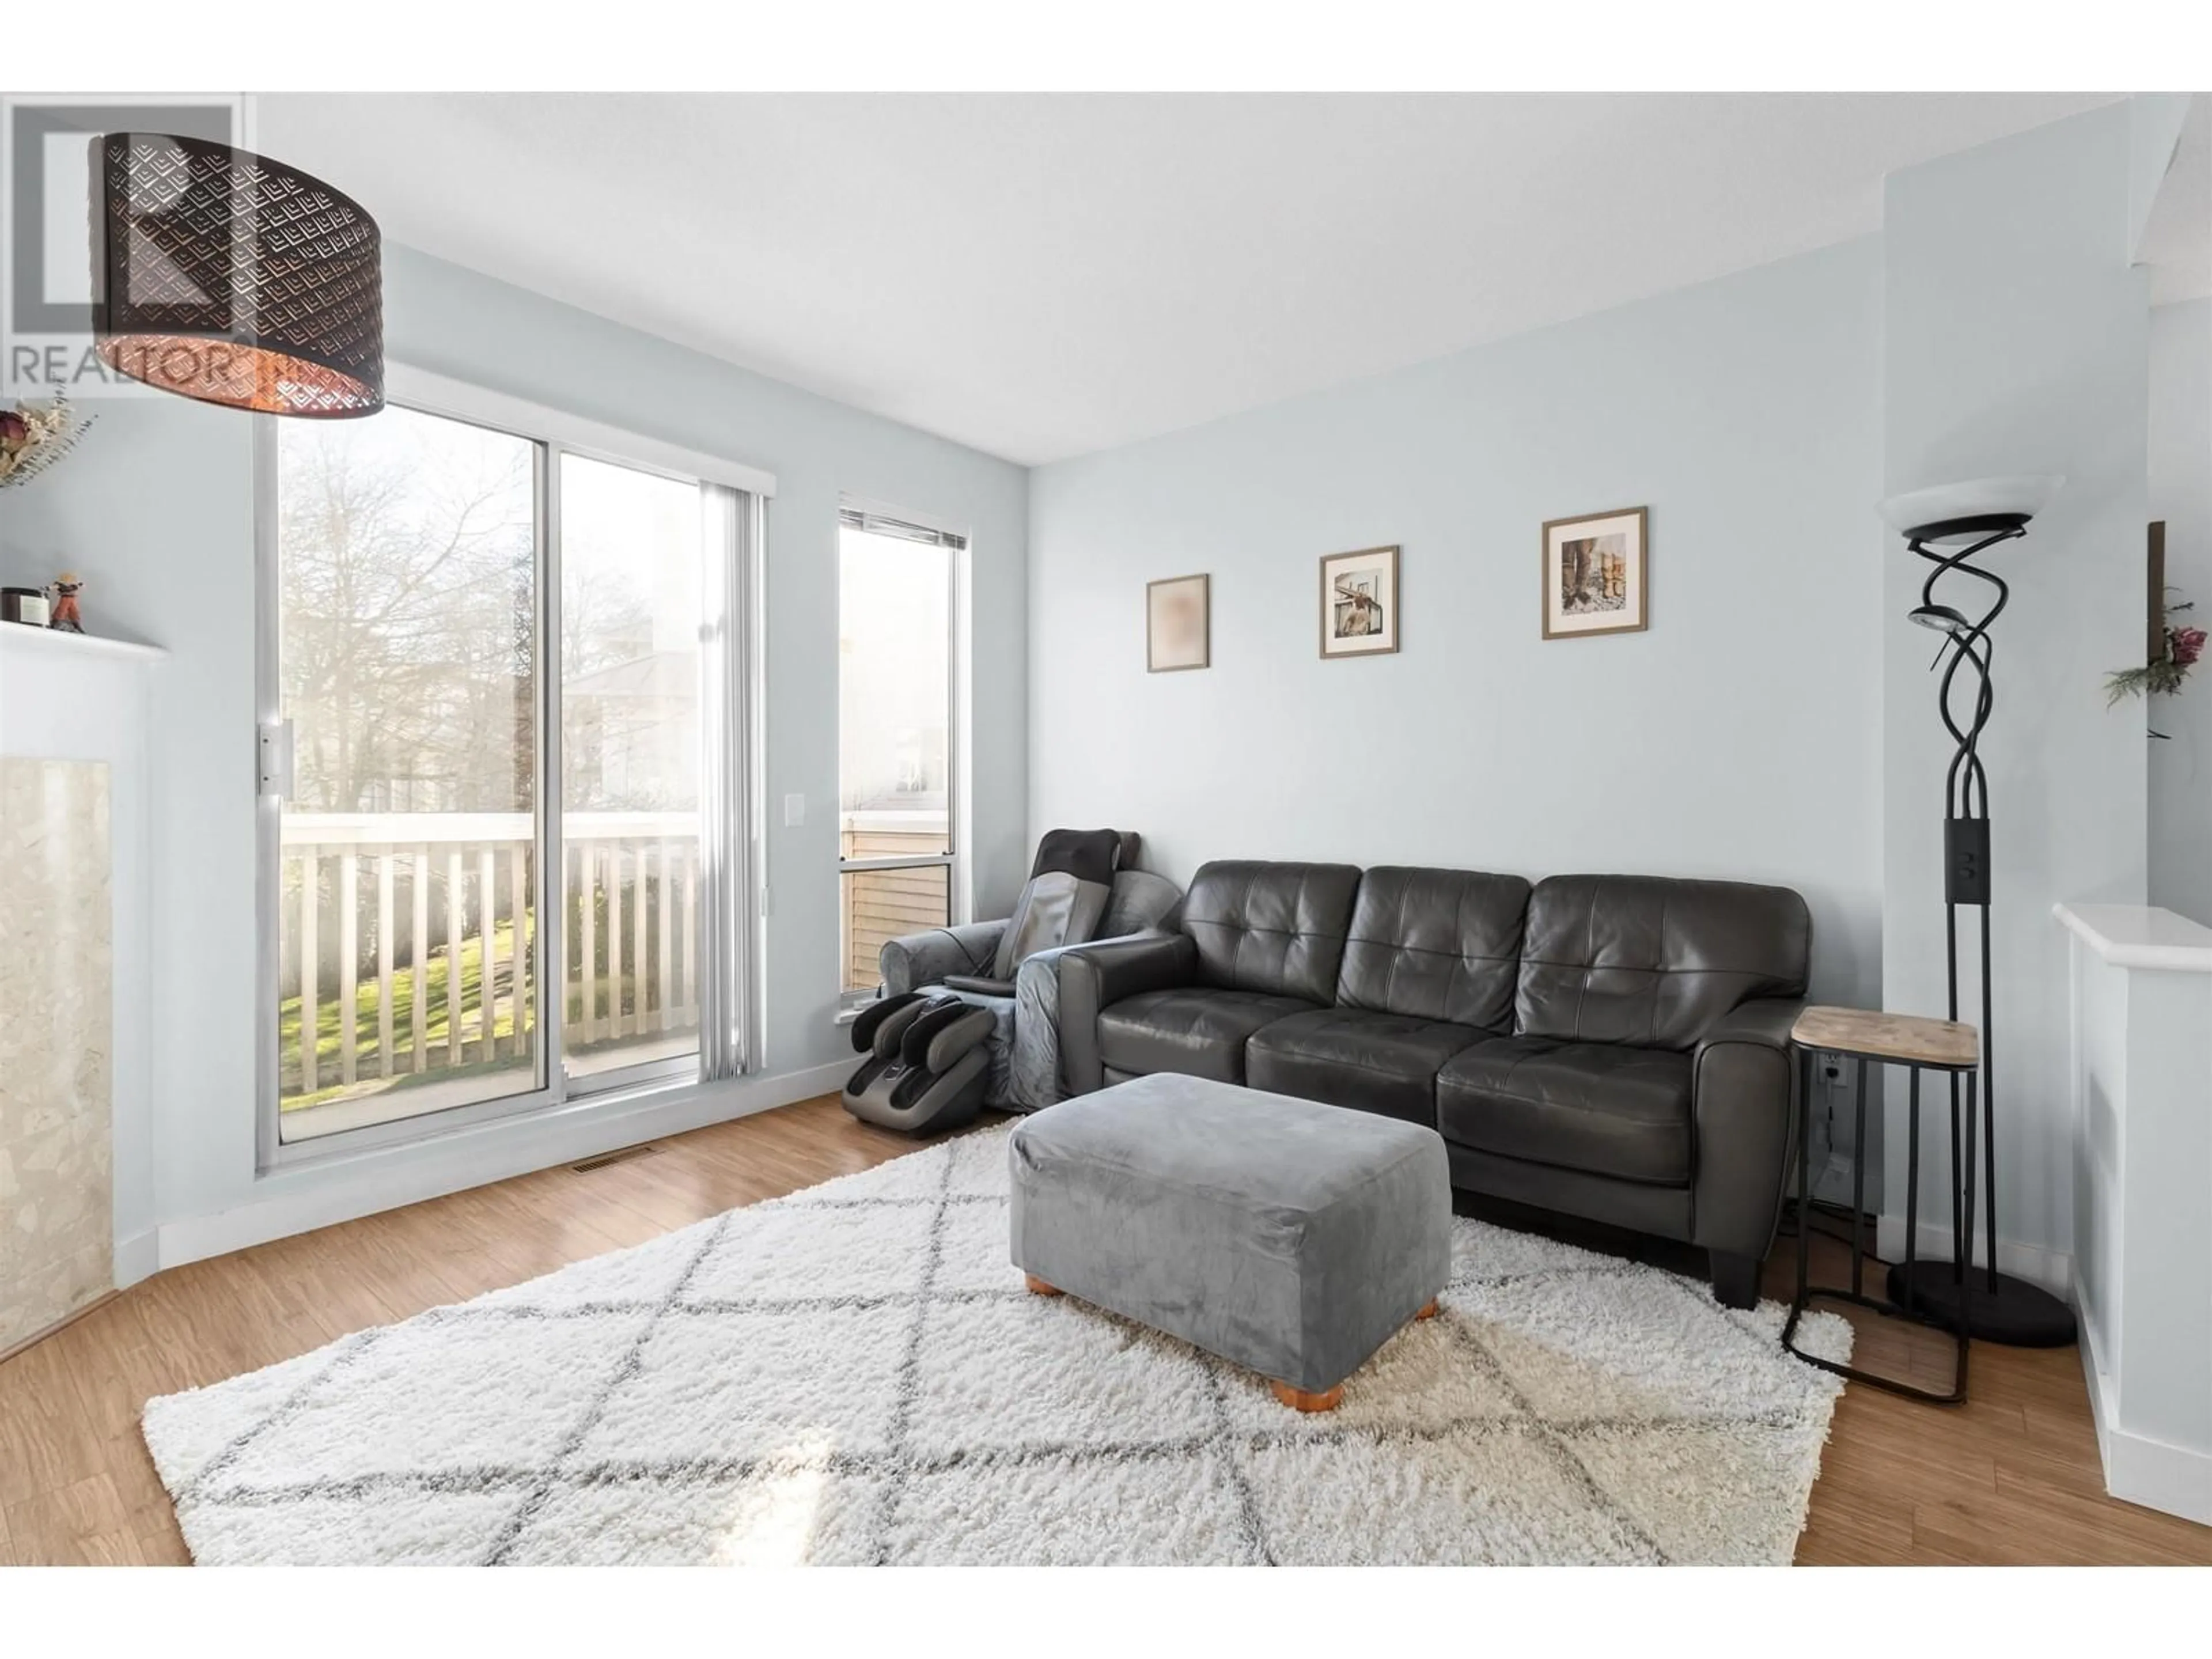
605,1159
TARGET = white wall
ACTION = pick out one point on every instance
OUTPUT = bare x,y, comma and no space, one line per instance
2015,342
2181,493
1737,737
156,510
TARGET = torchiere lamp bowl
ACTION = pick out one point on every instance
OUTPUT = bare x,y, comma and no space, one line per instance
1950,513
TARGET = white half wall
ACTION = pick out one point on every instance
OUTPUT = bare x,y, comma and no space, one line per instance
2181,495
1738,737
2016,342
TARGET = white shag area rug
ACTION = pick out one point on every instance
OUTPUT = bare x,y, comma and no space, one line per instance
855,1374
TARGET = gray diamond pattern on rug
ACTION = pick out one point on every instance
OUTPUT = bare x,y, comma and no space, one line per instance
854,1374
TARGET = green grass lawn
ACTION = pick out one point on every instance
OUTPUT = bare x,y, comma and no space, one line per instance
367,1052
368,1064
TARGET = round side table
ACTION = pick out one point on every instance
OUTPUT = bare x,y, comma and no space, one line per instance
1918,1045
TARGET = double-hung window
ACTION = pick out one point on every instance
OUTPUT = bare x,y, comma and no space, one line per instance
506,652
899,583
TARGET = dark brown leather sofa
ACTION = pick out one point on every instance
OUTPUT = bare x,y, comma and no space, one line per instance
1614,1047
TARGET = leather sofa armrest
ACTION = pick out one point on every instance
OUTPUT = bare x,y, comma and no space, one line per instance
1765,1022
1743,1106
913,960
1094,977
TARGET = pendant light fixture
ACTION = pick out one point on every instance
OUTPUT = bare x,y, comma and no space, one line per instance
233,279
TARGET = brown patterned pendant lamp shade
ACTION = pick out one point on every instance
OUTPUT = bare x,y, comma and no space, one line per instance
234,279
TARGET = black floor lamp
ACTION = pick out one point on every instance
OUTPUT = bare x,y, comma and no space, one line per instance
1948,526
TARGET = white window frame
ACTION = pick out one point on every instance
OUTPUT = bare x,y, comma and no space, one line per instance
959,895
732,797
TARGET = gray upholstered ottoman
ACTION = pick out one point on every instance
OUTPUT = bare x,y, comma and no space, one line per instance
1284,1235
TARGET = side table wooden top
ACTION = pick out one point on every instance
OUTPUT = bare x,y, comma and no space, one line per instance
1905,1038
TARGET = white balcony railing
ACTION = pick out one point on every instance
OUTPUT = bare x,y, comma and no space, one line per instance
434,925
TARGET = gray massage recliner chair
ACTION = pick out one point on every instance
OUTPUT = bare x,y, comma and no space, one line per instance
926,1065
1009,967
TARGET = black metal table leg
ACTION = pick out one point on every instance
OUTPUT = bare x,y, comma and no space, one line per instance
1804,1128
1858,1187
1804,1174
1962,1203
1912,1189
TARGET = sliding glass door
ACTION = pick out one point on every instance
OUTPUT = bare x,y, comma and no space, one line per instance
507,856
632,616
408,555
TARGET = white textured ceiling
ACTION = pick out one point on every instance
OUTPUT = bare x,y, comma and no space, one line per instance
1043,274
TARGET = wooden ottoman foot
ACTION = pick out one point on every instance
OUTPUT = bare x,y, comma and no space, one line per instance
1038,1287
1428,1312
1299,1399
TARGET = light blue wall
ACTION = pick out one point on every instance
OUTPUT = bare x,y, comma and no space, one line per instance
2016,342
156,510
1737,737
2181,495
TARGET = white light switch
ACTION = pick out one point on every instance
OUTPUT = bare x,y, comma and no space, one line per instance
794,811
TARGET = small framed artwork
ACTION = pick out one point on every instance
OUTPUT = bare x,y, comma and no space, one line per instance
1178,624
1596,574
1359,603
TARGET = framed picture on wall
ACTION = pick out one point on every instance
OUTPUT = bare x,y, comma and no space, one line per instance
1359,603
1597,574
1178,624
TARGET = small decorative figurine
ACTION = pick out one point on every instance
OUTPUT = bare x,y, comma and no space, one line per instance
66,616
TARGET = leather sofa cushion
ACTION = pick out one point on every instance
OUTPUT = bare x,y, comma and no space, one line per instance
1384,1063
1652,962
1441,945
1277,929
1197,1031
1600,1108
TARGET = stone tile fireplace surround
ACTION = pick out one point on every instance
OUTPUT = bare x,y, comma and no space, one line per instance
76,1181
57,1021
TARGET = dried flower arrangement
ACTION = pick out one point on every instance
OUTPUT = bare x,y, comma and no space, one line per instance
33,439
2165,673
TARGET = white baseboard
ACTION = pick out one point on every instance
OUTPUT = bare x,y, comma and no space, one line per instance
138,1256
2051,1269
301,1201
2171,1479
2176,1479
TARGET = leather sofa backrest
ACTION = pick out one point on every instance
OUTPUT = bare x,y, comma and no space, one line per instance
1276,928
1653,962
1435,945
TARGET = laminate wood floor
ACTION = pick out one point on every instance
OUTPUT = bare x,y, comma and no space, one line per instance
2011,1477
